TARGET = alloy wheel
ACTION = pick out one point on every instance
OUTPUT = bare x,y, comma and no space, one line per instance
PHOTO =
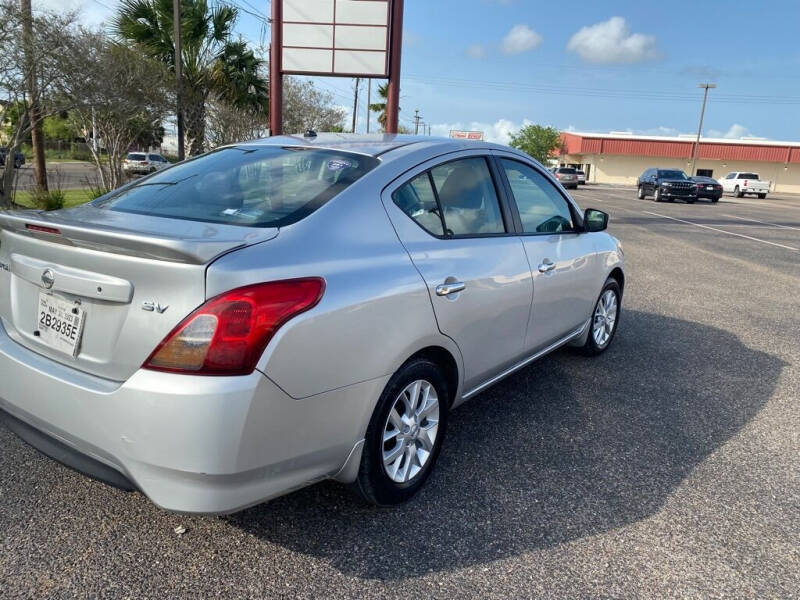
605,318
409,434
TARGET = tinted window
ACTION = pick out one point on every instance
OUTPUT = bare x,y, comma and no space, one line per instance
266,186
748,175
417,200
675,174
542,209
133,156
468,198
154,157
730,176
567,170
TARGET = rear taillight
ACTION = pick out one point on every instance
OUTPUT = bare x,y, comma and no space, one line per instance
228,334
144,162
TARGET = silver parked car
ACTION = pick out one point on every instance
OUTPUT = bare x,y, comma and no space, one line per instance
279,312
143,163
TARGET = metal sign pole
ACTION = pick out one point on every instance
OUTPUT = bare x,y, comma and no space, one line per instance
275,70
393,96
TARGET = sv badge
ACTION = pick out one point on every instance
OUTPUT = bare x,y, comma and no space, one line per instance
155,307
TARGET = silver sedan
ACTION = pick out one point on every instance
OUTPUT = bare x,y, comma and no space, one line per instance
279,312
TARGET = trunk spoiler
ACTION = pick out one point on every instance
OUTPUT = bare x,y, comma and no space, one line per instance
158,238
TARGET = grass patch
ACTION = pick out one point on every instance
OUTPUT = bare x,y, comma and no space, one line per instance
71,198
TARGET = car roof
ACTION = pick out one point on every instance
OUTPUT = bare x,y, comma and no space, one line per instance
380,144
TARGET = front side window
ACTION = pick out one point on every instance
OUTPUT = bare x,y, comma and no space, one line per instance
261,186
467,197
542,209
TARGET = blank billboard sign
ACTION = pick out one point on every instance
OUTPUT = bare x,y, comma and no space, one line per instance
336,37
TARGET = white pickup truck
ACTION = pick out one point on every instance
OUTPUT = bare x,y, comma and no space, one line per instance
740,183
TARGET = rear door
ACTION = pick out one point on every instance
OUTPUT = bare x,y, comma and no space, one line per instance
449,217
562,258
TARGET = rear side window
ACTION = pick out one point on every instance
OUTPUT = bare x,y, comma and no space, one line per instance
418,201
467,197
266,186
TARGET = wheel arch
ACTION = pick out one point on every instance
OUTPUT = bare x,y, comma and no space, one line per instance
619,276
445,360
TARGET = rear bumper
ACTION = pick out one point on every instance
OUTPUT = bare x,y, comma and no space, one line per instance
191,444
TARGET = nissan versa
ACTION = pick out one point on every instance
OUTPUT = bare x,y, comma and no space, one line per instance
275,313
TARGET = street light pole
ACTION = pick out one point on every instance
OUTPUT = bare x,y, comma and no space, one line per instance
706,87
176,34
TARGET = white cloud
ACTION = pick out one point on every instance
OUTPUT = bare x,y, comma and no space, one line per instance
521,38
734,132
476,51
499,132
612,42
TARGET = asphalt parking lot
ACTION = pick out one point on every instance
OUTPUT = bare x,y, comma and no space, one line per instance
667,467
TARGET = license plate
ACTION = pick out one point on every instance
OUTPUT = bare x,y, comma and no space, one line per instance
709,187
60,324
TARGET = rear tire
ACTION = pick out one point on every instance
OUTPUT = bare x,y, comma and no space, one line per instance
404,435
715,200
737,193
762,196
690,200
605,319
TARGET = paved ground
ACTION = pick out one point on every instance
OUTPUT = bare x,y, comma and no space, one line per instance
668,467
66,175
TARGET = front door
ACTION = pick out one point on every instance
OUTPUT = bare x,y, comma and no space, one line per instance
451,222
561,257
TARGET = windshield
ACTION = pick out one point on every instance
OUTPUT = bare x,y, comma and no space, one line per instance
267,186
672,175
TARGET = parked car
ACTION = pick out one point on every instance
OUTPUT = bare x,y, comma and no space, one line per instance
666,184
740,183
567,176
144,162
708,187
19,158
278,312
581,176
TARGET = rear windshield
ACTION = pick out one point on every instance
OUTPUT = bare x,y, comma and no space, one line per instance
748,175
269,186
672,175
567,170
133,156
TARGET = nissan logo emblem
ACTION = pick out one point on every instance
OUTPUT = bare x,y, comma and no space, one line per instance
48,278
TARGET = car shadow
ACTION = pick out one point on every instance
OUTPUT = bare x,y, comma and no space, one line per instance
567,448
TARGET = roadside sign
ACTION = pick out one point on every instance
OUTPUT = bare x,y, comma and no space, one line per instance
346,38
466,135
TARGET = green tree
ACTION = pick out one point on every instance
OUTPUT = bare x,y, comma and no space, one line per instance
380,107
214,64
59,127
537,141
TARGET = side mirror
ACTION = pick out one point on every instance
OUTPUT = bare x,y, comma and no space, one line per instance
595,220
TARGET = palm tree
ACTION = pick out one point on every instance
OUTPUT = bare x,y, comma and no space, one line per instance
213,62
380,107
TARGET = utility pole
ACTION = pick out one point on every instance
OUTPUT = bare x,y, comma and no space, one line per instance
706,87
176,34
276,69
355,104
34,113
416,121
369,101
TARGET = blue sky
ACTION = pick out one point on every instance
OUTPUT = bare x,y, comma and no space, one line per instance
611,65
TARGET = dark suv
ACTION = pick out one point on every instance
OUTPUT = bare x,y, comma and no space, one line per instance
667,185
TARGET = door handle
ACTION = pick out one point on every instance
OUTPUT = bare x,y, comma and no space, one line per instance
547,265
444,289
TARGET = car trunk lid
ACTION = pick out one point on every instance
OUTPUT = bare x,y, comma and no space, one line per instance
134,277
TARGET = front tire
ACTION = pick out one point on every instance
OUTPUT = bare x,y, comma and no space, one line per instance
605,319
657,196
640,193
404,435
